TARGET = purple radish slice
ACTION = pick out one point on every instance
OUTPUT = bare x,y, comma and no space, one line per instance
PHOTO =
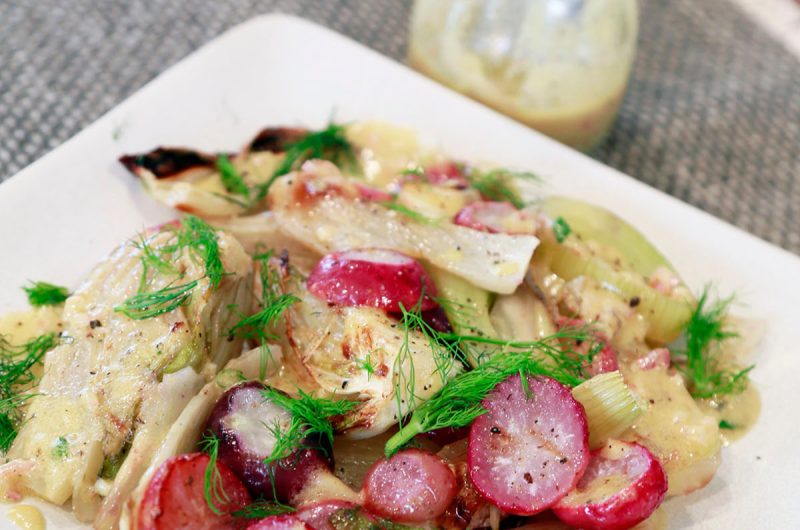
372,277
242,419
446,435
412,486
318,515
530,448
623,486
496,217
280,522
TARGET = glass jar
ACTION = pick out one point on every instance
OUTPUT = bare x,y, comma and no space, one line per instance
559,66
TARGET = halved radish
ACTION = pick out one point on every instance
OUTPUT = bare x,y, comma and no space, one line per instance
280,522
531,447
412,486
372,277
622,486
243,421
175,499
318,515
496,218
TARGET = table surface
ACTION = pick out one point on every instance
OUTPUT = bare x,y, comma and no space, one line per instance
711,116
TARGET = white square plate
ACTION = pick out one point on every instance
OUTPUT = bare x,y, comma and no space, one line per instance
63,213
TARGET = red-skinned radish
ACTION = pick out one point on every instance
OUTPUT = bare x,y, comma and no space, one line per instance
531,447
496,218
280,522
446,174
412,486
373,277
368,193
604,361
317,515
240,421
175,497
623,485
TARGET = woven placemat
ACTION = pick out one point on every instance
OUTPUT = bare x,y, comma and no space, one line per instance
712,114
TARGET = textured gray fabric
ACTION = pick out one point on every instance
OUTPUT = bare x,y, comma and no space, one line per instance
712,114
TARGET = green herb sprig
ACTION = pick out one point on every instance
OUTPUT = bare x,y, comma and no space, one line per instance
200,240
16,379
151,304
231,178
61,448
330,143
498,184
213,490
408,212
445,355
261,509
43,293
458,402
561,229
704,331
274,303
309,415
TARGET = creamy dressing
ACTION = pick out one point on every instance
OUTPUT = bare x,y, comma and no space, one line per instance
739,411
561,74
19,327
675,429
26,517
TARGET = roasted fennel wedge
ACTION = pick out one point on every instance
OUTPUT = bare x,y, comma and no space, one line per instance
363,355
604,247
324,211
593,223
122,372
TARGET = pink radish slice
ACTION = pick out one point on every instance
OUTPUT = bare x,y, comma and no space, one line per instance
280,522
604,361
372,277
623,485
495,217
317,515
447,173
655,359
371,194
529,449
175,500
412,486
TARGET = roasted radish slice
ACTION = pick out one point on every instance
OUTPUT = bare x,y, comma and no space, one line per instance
496,218
372,277
412,486
244,421
531,446
446,174
622,486
318,515
175,497
280,522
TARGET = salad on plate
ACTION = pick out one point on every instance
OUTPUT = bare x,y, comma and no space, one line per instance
345,330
